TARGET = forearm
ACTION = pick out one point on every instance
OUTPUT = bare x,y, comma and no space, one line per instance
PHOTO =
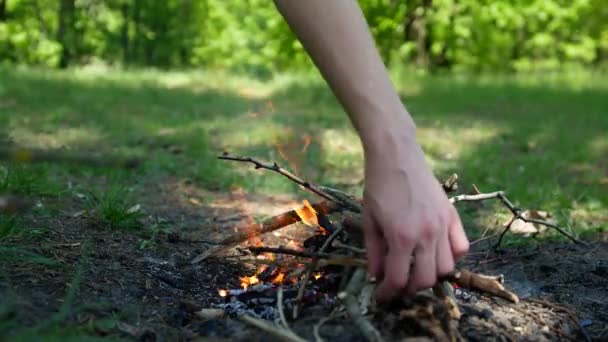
336,36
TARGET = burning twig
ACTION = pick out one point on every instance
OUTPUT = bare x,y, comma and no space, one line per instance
517,214
352,306
311,268
329,194
247,232
11,204
280,333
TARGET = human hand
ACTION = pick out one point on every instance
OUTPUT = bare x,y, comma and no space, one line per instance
413,233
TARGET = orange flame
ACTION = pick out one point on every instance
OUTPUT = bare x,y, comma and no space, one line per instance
246,281
317,276
222,293
308,214
307,140
279,278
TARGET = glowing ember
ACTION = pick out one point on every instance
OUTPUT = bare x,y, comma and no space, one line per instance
279,278
246,281
317,276
223,293
308,214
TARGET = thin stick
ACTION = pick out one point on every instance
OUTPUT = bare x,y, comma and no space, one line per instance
352,306
338,244
246,232
280,333
276,168
311,268
317,328
517,214
280,307
288,251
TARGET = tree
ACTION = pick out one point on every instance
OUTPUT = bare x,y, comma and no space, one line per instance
65,32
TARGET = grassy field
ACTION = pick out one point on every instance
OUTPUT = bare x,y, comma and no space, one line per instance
542,139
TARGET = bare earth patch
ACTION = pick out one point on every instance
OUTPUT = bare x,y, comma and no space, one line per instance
123,291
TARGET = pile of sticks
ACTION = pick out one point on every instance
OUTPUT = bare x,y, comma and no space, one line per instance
353,259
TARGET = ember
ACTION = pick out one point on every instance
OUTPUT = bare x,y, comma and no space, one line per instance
223,293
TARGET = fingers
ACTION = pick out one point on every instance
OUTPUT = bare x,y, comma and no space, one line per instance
445,259
397,267
458,238
424,271
375,246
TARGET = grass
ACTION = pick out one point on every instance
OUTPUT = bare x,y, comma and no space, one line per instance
541,138
113,208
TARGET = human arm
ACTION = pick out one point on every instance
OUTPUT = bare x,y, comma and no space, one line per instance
406,212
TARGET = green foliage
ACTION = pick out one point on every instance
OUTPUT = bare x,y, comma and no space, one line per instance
251,35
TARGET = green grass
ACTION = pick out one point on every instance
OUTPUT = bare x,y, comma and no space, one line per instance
113,207
542,138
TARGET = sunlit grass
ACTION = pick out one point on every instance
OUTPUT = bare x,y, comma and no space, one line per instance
542,138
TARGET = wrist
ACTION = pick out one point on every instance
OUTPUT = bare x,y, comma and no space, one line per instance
390,135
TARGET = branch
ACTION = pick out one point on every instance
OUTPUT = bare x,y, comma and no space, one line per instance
349,299
276,168
246,232
517,213
280,333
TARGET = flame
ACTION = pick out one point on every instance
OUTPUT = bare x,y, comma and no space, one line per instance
317,275
222,293
246,281
308,214
294,166
279,278
307,140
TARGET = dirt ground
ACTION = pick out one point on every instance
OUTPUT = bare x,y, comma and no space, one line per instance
118,290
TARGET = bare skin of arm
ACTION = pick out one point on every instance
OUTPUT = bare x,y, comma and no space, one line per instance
413,234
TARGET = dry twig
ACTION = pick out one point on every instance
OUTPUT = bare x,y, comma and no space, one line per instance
276,168
348,298
280,333
517,214
249,231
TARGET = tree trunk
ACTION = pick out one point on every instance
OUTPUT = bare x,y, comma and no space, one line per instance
2,10
124,33
65,32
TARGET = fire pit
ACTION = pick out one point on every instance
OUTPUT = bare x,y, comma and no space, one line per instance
323,276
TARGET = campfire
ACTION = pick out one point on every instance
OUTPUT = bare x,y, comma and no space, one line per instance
324,275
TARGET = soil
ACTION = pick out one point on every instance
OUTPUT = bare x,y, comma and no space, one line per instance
116,289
